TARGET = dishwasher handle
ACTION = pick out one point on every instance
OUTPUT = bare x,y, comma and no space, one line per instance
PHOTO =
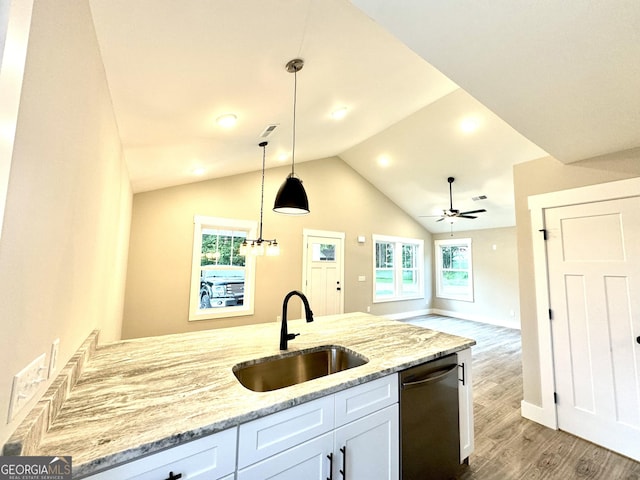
431,377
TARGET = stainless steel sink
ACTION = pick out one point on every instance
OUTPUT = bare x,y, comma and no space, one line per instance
272,373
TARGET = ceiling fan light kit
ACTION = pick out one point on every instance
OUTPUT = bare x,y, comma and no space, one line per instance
452,214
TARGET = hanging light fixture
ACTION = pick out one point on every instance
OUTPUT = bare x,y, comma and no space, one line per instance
256,247
291,198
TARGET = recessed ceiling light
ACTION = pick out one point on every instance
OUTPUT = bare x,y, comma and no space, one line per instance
384,161
469,124
284,156
198,171
339,113
227,120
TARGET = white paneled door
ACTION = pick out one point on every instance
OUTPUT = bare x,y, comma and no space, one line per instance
324,271
593,253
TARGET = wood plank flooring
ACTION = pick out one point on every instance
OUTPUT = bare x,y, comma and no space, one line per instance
508,446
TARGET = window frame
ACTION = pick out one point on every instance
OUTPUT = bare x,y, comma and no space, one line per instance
247,308
398,268
468,295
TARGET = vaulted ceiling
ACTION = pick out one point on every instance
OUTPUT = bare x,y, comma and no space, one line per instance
436,89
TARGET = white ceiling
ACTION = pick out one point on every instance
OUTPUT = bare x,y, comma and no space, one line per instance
174,67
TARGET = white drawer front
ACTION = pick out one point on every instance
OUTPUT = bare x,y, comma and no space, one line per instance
364,399
206,458
269,435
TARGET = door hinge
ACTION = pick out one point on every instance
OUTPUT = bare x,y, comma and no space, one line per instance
555,397
544,233
550,314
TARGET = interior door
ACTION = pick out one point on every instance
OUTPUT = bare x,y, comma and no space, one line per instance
593,253
324,270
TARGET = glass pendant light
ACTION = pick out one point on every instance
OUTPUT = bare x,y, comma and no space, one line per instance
291,198
256,246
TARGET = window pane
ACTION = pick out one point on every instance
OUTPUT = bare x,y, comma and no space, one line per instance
384,283
384,255
221,288
409,256
323,252
410,282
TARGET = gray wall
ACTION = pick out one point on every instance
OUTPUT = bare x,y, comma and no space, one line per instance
495,271
159,270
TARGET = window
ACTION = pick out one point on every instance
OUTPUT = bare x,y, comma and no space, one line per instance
454,278
398,268
222,280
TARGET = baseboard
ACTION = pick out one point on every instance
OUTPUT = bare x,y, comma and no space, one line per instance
538,414
405,315
474,318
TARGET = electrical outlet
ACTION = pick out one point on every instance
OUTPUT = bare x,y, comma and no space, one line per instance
53,358
368,309
25,385
278,319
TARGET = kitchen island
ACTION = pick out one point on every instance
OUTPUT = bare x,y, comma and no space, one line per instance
140,396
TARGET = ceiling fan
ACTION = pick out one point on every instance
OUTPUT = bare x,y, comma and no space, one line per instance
452,212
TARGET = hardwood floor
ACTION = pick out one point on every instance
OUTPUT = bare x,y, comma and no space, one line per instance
508,446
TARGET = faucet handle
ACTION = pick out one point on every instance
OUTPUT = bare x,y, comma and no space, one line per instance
291,336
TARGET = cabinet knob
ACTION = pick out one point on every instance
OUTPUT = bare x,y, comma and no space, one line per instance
638,339
173,477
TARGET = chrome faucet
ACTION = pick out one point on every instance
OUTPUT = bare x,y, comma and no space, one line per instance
285,336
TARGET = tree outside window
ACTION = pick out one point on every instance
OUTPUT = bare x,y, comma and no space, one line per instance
398,268
454,279
222,279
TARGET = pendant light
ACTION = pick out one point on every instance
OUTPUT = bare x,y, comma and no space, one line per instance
291,198
256,247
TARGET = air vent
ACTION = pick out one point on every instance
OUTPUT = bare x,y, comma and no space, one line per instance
269,130
478,198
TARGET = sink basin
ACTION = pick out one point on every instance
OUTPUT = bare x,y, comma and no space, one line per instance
272,373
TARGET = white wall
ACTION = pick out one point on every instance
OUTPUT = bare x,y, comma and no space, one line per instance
64,243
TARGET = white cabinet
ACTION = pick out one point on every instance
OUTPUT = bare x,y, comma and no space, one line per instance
368,449
208,458
362,436
309,461
465,402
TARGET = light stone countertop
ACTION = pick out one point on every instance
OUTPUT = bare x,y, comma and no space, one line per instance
140,396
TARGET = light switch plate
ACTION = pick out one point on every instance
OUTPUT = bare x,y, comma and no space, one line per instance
25,385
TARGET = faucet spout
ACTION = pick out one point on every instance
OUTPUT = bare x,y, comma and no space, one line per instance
285,336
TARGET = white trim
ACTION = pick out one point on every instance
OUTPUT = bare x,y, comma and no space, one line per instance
375,238
537,205
474,318
405,315
340,236
468,242
538,415
195,313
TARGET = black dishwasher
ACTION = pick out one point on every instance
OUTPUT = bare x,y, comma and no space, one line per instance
429,423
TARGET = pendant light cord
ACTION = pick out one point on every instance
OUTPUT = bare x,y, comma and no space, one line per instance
264,152
293,143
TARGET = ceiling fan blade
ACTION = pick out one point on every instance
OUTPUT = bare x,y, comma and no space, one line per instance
473,211
466,216
440,219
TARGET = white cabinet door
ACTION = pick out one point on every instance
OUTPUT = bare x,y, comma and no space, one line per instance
308,461
465,402
207,458
369,448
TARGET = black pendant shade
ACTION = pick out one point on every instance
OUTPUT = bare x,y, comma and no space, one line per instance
291,198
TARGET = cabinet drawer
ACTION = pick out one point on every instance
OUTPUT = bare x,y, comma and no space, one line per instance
272,434
307,461
206,458
364,399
